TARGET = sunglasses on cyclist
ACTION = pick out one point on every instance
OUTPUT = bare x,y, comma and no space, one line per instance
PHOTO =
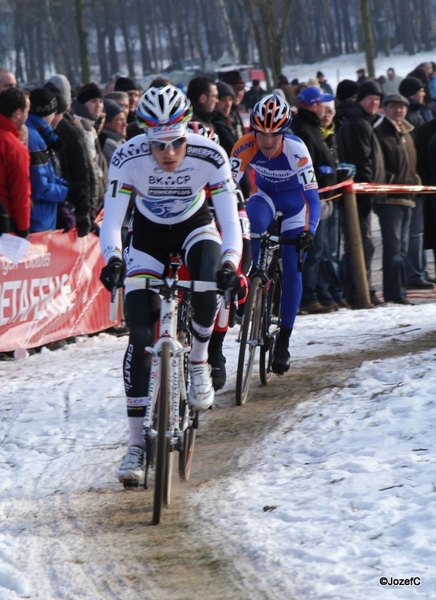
161,146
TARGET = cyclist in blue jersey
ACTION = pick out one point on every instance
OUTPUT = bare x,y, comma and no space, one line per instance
285,181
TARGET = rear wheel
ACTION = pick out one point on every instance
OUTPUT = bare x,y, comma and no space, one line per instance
162,486
270,327
249,340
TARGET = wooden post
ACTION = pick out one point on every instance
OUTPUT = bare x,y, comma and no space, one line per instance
356,248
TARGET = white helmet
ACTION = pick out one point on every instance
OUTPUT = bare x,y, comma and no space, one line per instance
207,132
163,106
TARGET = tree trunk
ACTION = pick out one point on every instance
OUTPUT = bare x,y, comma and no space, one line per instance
125,32
83,42
228,30
145,54
367,36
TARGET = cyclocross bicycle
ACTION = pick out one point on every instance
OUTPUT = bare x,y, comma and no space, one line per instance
261,321
169,423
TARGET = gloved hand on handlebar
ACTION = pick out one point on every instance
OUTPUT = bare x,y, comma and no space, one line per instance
304,241
227,279
112,275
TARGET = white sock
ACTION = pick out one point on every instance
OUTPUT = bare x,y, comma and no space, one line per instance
199,351
136,437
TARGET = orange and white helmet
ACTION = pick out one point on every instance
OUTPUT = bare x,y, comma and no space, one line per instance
271,114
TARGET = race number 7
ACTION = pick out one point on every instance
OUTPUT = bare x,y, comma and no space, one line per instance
113,184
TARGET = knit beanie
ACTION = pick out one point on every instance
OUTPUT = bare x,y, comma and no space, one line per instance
346,89
62,83
42,102
124,84
409,86
369,88
89,91
112,109
224,89
62,105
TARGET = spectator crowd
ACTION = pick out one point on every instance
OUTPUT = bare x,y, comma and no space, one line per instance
56,144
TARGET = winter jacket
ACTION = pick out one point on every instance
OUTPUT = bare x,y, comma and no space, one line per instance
358,145
76,166
47,188
98,161
109,141
306,125
202,116
400,158
225,131
14,177
417,114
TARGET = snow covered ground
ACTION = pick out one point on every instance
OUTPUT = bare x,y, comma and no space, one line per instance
349,478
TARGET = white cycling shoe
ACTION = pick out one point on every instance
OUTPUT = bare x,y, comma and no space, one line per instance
132,467
201,393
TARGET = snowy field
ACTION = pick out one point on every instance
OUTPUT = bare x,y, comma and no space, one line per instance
349,479
345,66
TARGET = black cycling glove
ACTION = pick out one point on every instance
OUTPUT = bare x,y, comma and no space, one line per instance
112,275
227,279
304,241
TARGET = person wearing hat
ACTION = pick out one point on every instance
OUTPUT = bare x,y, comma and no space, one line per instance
236,81
221,117
88,107
346,95
395,210
358,145
75,162
113,133
317,297
323,83
413,89
132,89
47,188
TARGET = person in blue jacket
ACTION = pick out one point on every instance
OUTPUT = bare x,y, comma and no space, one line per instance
48,190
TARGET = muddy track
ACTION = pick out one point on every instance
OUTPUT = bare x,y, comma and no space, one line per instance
109,533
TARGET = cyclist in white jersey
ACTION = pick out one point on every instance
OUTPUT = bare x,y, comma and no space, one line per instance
168,169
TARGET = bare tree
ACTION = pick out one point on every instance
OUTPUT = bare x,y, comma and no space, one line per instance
365,12
269,19
83,42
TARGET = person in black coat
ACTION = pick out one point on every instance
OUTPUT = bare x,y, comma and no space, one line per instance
358,145
74,159
317,296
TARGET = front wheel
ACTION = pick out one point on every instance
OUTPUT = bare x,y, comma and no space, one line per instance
249,340
162,484
270,328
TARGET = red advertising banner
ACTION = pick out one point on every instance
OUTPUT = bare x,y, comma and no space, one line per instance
54,292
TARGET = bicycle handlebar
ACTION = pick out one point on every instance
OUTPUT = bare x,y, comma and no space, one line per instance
147,283
279,239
